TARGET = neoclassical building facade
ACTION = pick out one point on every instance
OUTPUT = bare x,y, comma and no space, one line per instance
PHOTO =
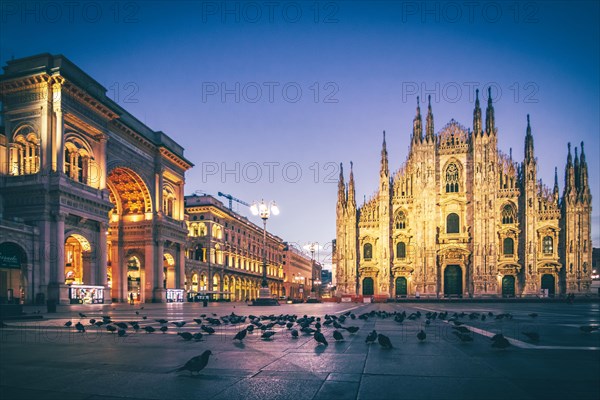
461,218
225,253
91,199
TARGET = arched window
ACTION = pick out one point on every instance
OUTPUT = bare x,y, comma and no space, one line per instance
168,202
367,251
452,178
24,153
77,161
400,220
452,223
547,245
508,247
401,250
508,214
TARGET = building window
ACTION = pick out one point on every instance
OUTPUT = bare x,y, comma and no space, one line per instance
508,247
24,153
508,214
452,223
400,220
452,178
547,245
367,251
77,162
401,250
168,202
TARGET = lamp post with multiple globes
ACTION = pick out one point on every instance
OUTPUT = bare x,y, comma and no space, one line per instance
264,210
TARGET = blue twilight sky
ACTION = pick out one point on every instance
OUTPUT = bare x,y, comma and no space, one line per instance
268,97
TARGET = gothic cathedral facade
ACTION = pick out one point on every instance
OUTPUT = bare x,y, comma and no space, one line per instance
462,219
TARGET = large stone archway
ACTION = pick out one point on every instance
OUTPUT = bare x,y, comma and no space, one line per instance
13,273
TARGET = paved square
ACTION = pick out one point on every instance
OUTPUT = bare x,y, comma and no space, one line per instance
45,359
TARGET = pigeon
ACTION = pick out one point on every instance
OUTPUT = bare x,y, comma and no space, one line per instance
198,321
352,329
496,337
186,336
149,329
371,337
198,336
533,336
294,334
92,321
163,329
135,327
384,341
533,315
81,315
421,335
250,328
111,328
162,321
207,329
68,324
179,324
267,334
461,329
464,337
240,335
121,332
121,325
196,364
320,338
500,343
337,336
588,328
80,327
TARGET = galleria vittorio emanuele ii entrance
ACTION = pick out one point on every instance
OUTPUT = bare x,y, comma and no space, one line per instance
92,199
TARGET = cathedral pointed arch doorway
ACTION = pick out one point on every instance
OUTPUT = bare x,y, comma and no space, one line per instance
453,281
401,286
368,287
508,286
549,283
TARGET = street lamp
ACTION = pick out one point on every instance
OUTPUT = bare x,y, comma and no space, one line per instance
264,210
312,247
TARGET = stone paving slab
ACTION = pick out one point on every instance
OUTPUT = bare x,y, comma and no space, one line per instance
43,359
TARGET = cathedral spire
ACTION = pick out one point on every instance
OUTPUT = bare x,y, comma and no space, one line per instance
341,188
490,125
384,159
351,189
477,115
418,125
584,187
555,191
429,123
576,172
528,143
569,175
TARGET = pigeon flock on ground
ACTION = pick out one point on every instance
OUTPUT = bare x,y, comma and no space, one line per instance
332,327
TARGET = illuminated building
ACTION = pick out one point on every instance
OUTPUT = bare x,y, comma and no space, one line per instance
91,199
297,273
461,218
224,252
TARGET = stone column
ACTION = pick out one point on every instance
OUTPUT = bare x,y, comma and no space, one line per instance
57,290
101,257
180,265
58,152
